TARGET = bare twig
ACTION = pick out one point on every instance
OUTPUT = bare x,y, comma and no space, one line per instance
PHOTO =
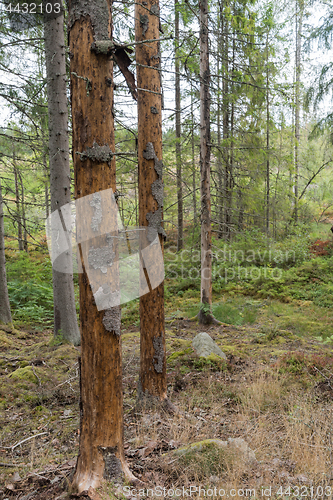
23,441
2,464
37,377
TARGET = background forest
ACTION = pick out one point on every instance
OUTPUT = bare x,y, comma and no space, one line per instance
271,88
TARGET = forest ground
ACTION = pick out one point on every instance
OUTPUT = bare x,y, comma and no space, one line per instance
275,391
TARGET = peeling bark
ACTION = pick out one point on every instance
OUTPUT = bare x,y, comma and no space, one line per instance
101,438
152,385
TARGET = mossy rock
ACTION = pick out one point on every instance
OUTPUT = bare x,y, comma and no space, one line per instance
180,343
5,342
213,362
25,373
65,351
179,354
232,349
200,446
24,363
236,446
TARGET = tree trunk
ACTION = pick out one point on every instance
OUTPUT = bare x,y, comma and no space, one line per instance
5,315
205,316
178,132
267,143
152,387
299,26
220,196
46,189
65,321
194,184
18,207
24,220
230,167
226,122
101,436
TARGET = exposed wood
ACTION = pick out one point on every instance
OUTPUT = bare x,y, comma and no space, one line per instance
101,436
152,381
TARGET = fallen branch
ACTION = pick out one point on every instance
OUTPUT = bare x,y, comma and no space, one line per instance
23,441
12,465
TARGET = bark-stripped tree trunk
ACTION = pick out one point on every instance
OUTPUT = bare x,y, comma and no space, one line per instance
65,321
178,132
205,316
101,436
5,315
152,387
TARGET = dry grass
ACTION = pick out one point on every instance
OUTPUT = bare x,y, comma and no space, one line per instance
284,417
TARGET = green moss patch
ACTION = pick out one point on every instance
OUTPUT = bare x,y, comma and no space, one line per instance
5,341
25,373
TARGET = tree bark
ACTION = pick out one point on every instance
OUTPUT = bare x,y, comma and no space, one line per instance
46,189
101,436
220,196
178,133
226,122
18,206
5,314
267,144
23,219
194,184
65,321
299,26
152,387
205,316
230,164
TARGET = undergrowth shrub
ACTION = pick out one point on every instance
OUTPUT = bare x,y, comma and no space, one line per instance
31,302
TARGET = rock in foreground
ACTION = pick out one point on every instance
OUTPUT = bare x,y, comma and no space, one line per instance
204,346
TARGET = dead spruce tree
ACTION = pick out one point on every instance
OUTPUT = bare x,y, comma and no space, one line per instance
65,321
101,453
5,315
205,315
152,382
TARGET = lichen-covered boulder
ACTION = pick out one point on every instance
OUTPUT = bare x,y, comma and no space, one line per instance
204,346
200,446
237,445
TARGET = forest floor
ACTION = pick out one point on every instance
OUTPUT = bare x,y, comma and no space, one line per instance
275,391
